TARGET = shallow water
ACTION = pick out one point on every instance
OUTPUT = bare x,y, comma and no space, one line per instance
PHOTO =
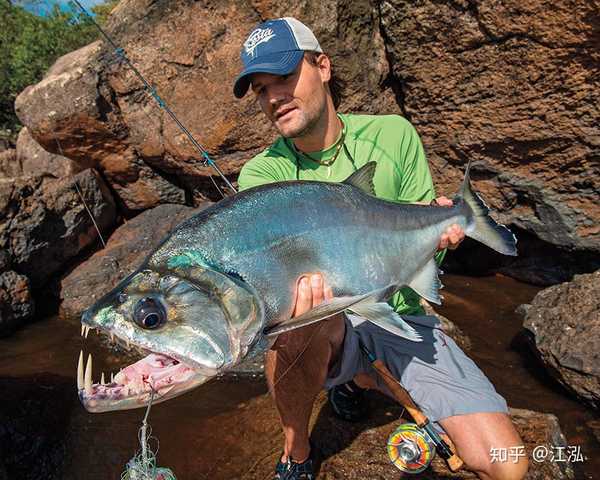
204,434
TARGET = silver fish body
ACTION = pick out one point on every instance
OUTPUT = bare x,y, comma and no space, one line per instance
224,278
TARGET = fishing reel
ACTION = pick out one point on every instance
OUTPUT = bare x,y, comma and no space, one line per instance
410,448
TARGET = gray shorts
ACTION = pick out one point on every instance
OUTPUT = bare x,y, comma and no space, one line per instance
437,374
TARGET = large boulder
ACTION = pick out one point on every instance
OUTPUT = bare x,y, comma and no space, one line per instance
511,87
69,113
565,322
127,247
44,222
16,302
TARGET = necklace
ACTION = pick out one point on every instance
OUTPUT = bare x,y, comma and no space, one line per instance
328,163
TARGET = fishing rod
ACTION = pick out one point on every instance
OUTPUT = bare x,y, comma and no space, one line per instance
411,446
206,160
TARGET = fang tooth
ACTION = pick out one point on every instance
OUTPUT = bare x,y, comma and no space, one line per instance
80,371
87,330
112,377
112,337
102,382
88,376
82,329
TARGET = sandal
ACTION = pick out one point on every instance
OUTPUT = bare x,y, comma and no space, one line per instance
291,470
347,401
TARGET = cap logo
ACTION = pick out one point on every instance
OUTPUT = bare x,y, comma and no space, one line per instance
258,36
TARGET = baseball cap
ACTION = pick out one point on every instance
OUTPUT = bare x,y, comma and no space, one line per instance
275,46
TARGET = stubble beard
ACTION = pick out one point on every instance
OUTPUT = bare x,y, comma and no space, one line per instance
307,124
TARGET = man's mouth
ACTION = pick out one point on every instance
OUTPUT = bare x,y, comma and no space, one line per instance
282,112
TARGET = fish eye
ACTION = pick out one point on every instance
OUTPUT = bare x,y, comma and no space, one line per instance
122,298
149,313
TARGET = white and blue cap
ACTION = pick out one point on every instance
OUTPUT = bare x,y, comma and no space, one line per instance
275,46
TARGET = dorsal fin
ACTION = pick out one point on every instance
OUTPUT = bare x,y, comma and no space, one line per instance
363,178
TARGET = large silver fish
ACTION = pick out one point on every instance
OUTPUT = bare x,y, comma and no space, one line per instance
225,279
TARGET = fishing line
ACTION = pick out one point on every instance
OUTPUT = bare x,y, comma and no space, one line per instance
317,330
83,199
206,160
143,464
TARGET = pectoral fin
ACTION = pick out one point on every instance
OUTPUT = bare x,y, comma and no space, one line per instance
427,283
329,309
384,316
320,312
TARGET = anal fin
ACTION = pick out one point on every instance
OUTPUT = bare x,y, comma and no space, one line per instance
427,283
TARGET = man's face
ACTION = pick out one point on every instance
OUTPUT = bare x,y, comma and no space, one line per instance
294,103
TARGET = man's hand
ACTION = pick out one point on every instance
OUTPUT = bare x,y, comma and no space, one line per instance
454,234
312,291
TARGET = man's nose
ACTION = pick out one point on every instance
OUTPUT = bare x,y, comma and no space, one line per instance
276,95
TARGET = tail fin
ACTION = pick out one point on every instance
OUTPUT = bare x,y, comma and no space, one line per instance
481,226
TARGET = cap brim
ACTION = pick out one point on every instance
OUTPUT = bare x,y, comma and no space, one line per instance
280,63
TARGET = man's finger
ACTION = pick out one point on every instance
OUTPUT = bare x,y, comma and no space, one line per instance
443,241
443,201
316,284
328,292
303,297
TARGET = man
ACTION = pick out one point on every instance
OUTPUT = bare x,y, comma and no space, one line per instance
291,78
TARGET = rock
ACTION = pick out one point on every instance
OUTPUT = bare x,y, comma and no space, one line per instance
445,67
4,260
542,430
44,223
16,302
565,323
34,160
535,156
358,451
69,108
9,167
127,247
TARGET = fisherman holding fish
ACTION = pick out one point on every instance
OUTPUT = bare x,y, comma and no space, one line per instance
293,82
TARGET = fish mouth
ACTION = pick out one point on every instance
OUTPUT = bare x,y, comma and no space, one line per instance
157,374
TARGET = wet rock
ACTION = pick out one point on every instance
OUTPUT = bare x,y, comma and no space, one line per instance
16,302
565,323
358,451
34,160
127,247
44,222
